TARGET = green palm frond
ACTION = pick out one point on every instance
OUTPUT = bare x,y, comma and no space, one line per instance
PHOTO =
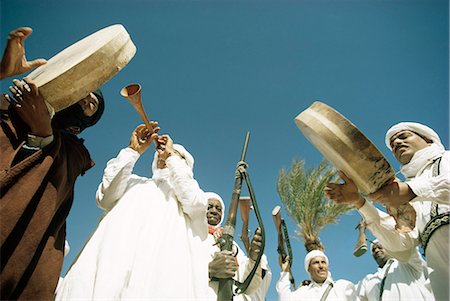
301,191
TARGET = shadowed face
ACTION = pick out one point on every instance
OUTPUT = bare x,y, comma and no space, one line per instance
214,212
405,144
318,269
89,104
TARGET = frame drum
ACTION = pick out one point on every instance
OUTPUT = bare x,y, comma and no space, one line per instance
83,67
345,147
341,143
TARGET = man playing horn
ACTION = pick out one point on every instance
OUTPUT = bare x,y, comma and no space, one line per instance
395,280
426,165
227,264
150,243
41,159
322,286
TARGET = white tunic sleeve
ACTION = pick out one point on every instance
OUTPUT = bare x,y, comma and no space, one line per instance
361,290
191,197
245,267
348,288
115,178
382,225
284,287
436,189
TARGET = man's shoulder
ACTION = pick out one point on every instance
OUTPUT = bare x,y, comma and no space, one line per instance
343,282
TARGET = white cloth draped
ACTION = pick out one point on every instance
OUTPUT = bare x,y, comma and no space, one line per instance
260,293
405,281
150,243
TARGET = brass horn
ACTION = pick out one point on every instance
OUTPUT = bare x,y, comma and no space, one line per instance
132,92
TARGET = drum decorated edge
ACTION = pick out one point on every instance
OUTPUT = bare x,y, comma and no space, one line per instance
348,149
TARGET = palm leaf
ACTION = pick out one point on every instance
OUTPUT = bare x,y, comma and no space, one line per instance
301,192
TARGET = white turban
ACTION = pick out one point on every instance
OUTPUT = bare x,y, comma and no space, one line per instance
311,255
418,128
183,152
212,195
374,242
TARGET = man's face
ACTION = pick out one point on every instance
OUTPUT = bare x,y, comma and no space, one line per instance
214,212
379,255
89,104
318,269
405,144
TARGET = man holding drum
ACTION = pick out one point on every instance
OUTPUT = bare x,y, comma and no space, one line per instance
40,162
426,166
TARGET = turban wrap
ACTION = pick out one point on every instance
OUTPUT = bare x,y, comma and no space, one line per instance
311,255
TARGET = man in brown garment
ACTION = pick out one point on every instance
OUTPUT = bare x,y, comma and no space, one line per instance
40,159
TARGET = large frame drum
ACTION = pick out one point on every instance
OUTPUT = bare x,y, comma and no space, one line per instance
83,67
345,147
349,150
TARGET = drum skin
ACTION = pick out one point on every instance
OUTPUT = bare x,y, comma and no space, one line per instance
83,67
349,150
345,147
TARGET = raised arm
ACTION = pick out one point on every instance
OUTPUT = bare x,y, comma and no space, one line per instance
246,264
119,170
188,192
283,285
379,223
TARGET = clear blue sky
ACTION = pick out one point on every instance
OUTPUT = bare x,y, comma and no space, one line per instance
211,70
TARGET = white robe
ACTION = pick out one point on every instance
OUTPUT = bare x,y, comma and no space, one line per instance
150,244
260,293
405,281
428,189
342,290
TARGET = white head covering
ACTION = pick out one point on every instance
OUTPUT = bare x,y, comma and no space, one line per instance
212,195
179,148
422,156
418,128
374,242
311,255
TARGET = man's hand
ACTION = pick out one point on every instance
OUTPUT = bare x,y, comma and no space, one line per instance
346,193
142,138
284,265
165,149
256,245
223,265
394,194
14,61
31,107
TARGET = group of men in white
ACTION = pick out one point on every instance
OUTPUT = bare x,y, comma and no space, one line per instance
157,239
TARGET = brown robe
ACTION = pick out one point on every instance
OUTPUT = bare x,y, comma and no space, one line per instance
36,194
